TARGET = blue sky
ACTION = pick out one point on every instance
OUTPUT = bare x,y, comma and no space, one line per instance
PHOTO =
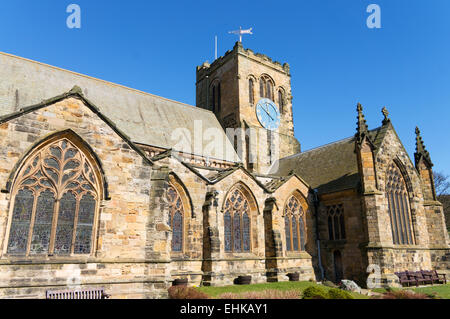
336,61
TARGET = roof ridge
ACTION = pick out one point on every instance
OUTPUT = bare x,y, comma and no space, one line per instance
328,144
103,81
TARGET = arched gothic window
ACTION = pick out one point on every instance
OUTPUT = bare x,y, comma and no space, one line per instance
176,215
55,200
237,222
251,94
294,223
336,225
399,211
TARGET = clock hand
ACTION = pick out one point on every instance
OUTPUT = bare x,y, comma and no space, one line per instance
265,110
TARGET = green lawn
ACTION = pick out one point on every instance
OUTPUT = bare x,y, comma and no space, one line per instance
442,291
299,286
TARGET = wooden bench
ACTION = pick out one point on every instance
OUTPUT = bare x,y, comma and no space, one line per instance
422,277
433,276
404,278
419,276
92,293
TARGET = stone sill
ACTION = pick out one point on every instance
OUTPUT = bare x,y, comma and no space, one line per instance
295,255
395,247
90,260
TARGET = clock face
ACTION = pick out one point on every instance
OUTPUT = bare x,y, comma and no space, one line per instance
268,114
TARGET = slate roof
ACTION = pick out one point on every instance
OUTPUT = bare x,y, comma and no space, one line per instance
147,119
329,168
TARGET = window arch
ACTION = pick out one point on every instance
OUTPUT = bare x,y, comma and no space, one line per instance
398,204
54,202
294,225
237,223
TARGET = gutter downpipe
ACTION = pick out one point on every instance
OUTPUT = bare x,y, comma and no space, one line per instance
316,208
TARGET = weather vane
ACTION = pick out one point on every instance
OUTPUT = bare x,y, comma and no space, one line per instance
240,32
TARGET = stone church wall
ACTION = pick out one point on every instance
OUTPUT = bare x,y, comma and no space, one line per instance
354,260
123,237
391,258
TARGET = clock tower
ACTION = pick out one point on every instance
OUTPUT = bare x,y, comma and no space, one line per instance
251,97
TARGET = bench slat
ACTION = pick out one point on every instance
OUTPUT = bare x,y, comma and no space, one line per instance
91,293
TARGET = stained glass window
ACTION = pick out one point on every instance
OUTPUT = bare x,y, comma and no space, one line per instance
287,225
43,223
398,204
294,225
336,225
176,215
23,208
55,204
237,223
85,224
228,232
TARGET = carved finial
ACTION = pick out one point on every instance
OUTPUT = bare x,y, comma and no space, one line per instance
385,112
421,152
362,129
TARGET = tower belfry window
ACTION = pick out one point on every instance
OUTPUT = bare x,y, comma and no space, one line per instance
251,96
261,87
281,101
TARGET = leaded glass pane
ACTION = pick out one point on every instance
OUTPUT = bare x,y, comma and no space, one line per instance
70,153
227,226
294,225
237,232
55,151
397,197
43,223
52,174
64,230
84,225
246,232
287,229
301,228
71,165
176,210
177,228
52,163
20,226
294,234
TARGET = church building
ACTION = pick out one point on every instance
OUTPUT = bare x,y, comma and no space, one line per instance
106,186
